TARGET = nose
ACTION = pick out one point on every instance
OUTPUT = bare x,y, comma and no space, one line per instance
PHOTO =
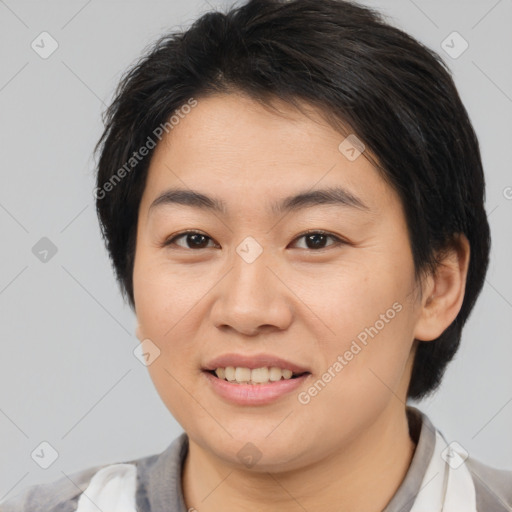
253,298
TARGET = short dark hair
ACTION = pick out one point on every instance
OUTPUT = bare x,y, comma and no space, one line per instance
395,94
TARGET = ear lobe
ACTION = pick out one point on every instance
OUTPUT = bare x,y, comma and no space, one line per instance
444,292
138,333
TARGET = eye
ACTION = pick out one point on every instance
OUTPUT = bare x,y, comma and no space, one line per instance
193,239
316,239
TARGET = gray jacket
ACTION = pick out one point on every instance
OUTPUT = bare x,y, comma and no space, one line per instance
159,480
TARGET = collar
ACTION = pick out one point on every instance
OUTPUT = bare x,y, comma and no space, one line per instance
159,476
423,433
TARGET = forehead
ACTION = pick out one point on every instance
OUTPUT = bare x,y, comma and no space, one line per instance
233,148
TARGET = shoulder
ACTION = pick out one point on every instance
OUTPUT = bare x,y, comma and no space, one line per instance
132,479
493,487
60,495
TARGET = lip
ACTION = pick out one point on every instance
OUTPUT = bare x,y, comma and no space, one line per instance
253,394
253,361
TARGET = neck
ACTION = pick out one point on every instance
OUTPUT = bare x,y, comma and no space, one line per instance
378,459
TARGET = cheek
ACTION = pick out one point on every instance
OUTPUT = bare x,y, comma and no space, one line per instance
163,297
370,317
169,312
363,369
352,296
165,306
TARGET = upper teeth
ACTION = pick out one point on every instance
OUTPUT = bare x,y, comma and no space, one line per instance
256,376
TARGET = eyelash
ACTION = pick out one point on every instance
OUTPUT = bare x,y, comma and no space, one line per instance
338,241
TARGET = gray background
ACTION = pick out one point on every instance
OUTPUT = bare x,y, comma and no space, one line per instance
68,374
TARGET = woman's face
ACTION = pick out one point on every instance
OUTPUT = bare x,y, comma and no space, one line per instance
339,305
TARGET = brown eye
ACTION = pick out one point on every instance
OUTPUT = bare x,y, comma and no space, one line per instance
193,240
317,240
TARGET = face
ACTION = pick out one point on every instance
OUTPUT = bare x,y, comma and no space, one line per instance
322,285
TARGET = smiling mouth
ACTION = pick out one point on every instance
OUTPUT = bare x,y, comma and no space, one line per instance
257,376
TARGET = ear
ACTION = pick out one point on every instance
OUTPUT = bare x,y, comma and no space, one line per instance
138,333
443,292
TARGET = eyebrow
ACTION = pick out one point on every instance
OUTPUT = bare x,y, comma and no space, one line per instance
328,196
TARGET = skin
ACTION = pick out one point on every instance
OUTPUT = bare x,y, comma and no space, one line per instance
303,304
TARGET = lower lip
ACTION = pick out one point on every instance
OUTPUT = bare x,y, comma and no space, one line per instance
254,394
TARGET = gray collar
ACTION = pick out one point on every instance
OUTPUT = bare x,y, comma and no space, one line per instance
423,433
159,476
